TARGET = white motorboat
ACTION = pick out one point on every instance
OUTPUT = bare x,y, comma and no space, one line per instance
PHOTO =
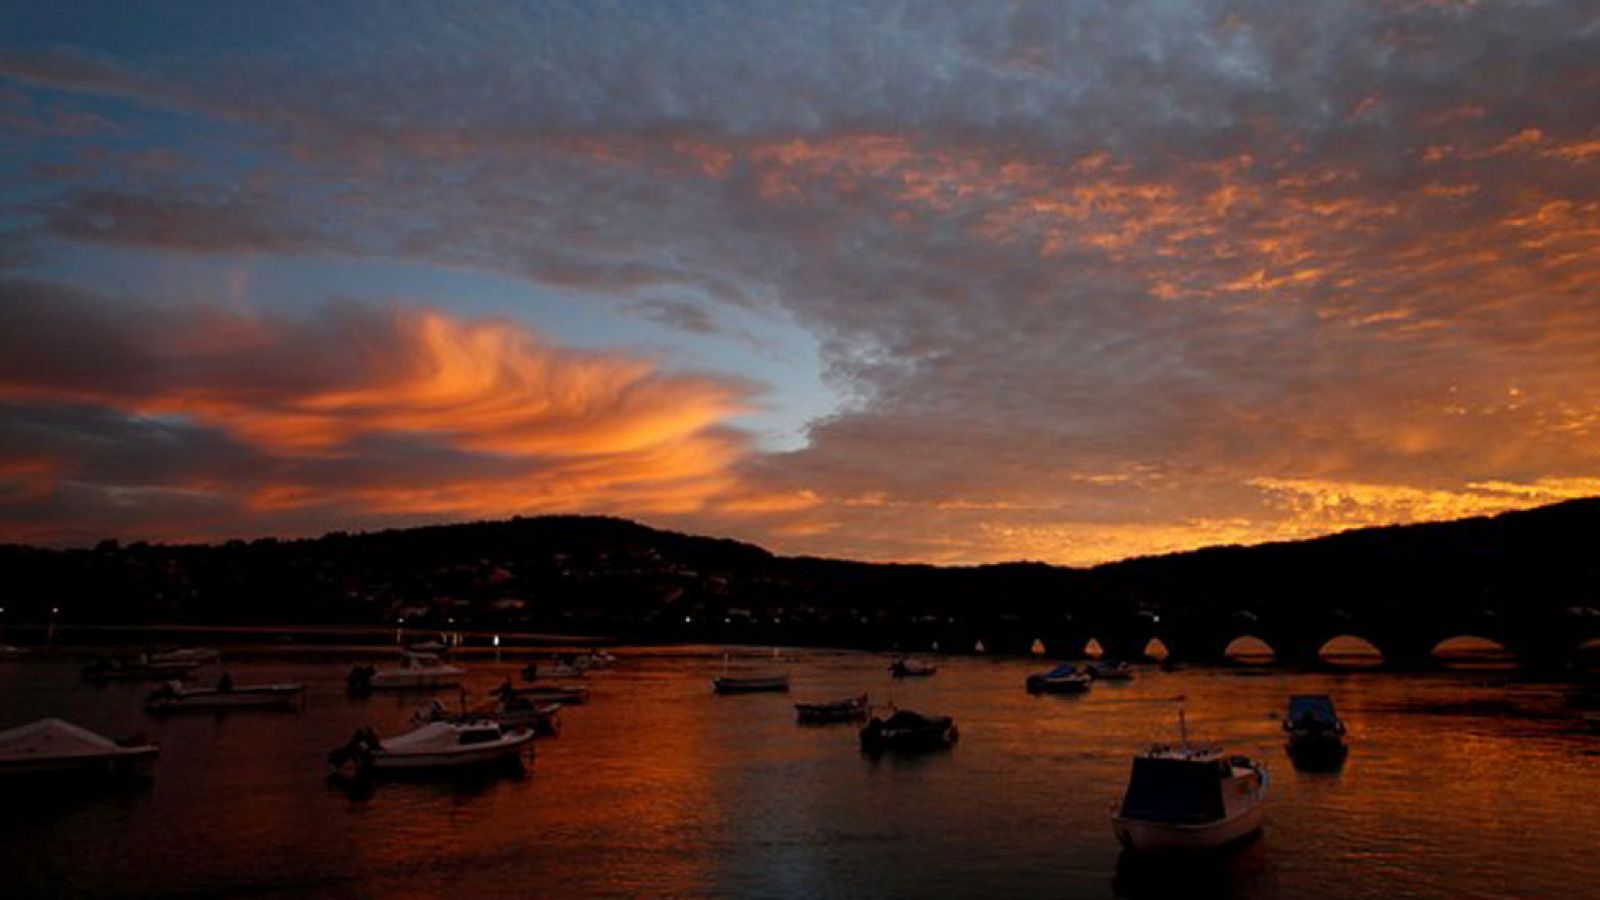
912,668
1183,798
417,671
174,697
56,746
445,745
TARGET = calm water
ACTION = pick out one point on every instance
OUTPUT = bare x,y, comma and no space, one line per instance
1457,786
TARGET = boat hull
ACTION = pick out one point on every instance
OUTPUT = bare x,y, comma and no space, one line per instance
1038,685
273,697
1317,753
131,761
1144,836
750,685
827,713
504,751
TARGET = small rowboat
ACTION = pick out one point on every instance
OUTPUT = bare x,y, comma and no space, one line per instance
1063,679
908,732
847,710
436,746
754,683
174,697
58,747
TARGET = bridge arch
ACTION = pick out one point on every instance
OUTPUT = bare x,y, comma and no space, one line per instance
1093,649
1350,651
1471,651
1249,650
1156,650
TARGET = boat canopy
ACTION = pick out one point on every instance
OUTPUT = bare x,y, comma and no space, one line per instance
1312,708
1179,791
907,719
1062,671
54,738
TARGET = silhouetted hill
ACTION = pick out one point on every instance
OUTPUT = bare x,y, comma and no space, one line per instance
1531,578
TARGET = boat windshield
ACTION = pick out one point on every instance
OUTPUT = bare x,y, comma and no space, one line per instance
1312,708
1175,790
480,736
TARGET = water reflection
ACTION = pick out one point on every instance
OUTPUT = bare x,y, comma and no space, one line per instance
658,787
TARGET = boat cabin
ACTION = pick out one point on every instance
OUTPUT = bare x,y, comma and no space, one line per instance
1185,788
1312,712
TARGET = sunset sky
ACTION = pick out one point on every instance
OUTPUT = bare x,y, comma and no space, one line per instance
898,281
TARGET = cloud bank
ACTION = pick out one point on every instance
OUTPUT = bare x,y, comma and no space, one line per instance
1088,281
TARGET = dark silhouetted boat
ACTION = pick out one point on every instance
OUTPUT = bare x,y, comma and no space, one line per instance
847,710
139,668
566,694
908,732
225,696
1316,733
751,683
1110,671
1063,679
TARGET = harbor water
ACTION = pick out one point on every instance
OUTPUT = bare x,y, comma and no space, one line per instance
1459,784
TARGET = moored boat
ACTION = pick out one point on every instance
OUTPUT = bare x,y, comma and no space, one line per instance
138,668
1182,798
912,668
751,683
417,671
1316,733
174,697
198,655
1110,671
9,651
1063,679
908,732
846,710
58,747
436,746
567,694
